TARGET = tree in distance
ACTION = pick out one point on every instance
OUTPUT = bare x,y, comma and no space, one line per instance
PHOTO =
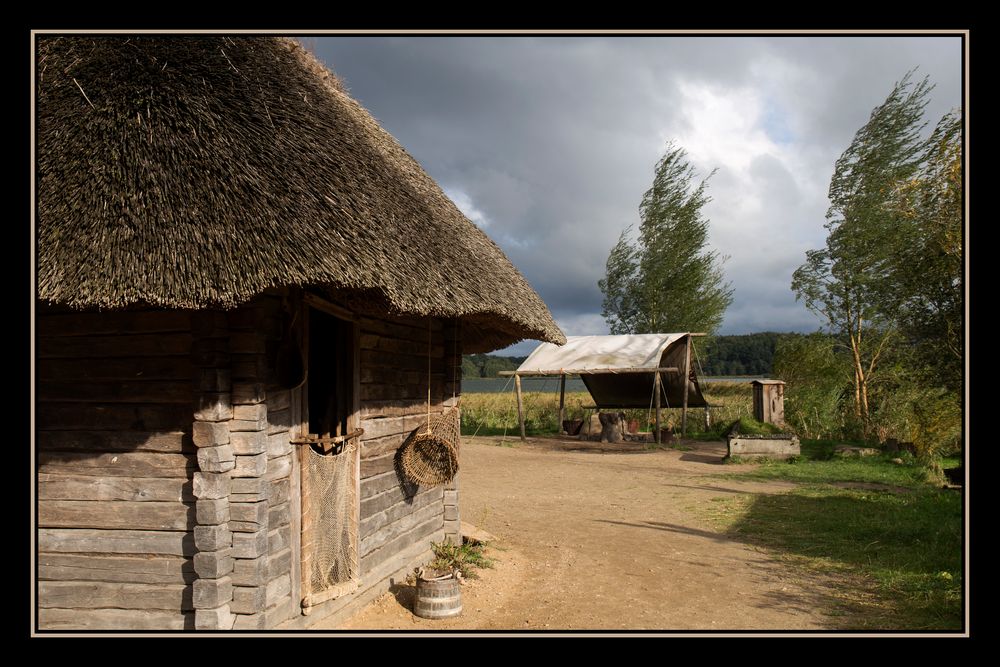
668,281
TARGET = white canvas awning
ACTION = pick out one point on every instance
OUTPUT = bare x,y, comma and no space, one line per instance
599,353
619,370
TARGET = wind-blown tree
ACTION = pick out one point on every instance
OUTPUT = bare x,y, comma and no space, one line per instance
845,282
668,281
925,287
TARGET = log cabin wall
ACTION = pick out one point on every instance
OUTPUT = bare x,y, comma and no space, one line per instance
115,461
393,404
397,522
167,485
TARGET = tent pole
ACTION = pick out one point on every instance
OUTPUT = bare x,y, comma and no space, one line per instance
656,390
687,375
562,401
520,405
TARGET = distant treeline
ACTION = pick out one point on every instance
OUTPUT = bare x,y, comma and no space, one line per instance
749,354
488,365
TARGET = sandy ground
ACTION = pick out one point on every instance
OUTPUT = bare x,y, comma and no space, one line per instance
593,537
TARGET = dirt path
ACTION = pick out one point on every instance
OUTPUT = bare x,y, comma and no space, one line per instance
611,539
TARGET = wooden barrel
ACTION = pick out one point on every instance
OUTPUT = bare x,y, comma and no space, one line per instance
438,598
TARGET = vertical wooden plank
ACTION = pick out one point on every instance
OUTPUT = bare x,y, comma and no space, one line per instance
687,381
562,400
520,405
355,422
302,531
295,429
656,391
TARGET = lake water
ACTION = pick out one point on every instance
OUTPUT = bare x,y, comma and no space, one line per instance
573,383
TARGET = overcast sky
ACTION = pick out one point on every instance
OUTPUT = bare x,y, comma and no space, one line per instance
548,143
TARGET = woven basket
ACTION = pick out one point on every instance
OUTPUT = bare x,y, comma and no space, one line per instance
430,454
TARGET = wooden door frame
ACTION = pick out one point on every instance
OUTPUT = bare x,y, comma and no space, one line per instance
311,301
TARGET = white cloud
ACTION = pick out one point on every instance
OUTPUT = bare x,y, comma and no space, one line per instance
465,205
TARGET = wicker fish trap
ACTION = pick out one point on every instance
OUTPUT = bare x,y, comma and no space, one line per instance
430,455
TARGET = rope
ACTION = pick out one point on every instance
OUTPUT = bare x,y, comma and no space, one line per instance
429,321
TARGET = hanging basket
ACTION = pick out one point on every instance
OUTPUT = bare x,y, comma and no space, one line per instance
430,455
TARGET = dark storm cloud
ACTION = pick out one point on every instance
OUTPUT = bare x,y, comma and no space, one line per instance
549,143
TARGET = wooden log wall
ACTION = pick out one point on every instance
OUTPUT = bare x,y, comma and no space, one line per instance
394,380
115,464
262,506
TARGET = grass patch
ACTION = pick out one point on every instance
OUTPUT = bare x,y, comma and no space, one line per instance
490,413
750,426
465,558
818,466
906,542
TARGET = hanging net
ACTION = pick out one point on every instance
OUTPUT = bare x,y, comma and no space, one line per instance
329,481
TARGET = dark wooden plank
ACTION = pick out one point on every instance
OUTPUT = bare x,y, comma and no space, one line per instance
130,569
379,374
397,329
377,466
399,511
90,391
384,409
173,442
135,345
112,417
124,464
381,446
386,534
393,496
107,323
417,534
135,368
88,540
380,428
110,514
114,619
373,486
141,489
113,595
398,392
402,361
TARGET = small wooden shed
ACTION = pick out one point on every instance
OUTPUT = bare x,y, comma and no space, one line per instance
769,401
232,255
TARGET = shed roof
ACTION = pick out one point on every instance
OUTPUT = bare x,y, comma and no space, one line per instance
194,172
610,368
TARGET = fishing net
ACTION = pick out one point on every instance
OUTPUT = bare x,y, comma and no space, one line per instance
329,481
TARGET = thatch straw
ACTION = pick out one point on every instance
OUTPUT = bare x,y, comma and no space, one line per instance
195,172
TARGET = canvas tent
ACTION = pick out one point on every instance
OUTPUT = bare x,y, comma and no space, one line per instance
623,371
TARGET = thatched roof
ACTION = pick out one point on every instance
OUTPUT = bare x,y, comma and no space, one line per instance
195,172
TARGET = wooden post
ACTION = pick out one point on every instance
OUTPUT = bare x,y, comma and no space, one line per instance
687,375
562,401
656,390
520,405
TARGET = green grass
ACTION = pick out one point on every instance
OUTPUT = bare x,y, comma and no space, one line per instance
492,412
818,466
904,540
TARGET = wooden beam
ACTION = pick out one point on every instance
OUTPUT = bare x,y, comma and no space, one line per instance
589,371
687,381
656,390
320,303
520,405
562,400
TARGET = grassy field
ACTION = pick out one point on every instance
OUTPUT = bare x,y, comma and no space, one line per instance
869,519
493,413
